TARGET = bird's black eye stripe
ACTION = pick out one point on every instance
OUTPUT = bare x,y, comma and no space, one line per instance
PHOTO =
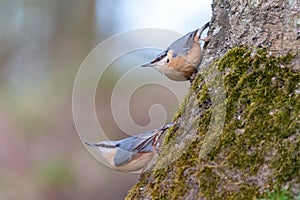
107,145
160,56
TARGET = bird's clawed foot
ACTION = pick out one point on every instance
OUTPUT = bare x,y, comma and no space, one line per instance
192,78
206,39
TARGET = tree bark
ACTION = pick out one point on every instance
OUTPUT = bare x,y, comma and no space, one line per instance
238,130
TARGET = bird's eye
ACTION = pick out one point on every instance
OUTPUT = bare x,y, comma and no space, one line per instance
168,60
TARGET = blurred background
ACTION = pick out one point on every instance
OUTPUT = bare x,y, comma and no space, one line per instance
43,44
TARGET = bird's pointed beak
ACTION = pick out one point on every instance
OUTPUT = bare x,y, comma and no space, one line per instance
148,65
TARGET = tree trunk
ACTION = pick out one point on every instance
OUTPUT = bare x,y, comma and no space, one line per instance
238,130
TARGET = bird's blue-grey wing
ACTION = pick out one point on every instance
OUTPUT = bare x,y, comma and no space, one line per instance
180,46
142,143
131,146
122,156
183,44
147,141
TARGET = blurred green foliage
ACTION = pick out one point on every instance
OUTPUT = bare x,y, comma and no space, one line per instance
56,173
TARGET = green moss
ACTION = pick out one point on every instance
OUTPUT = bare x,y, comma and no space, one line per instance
201,100
182,171
208,180
262,102
278,194
260,142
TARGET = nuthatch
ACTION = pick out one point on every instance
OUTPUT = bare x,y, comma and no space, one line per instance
132,153
180,60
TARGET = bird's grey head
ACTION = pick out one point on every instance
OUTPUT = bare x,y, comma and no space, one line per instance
107,149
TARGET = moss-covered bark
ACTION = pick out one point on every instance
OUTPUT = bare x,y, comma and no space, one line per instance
259,148
238,130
